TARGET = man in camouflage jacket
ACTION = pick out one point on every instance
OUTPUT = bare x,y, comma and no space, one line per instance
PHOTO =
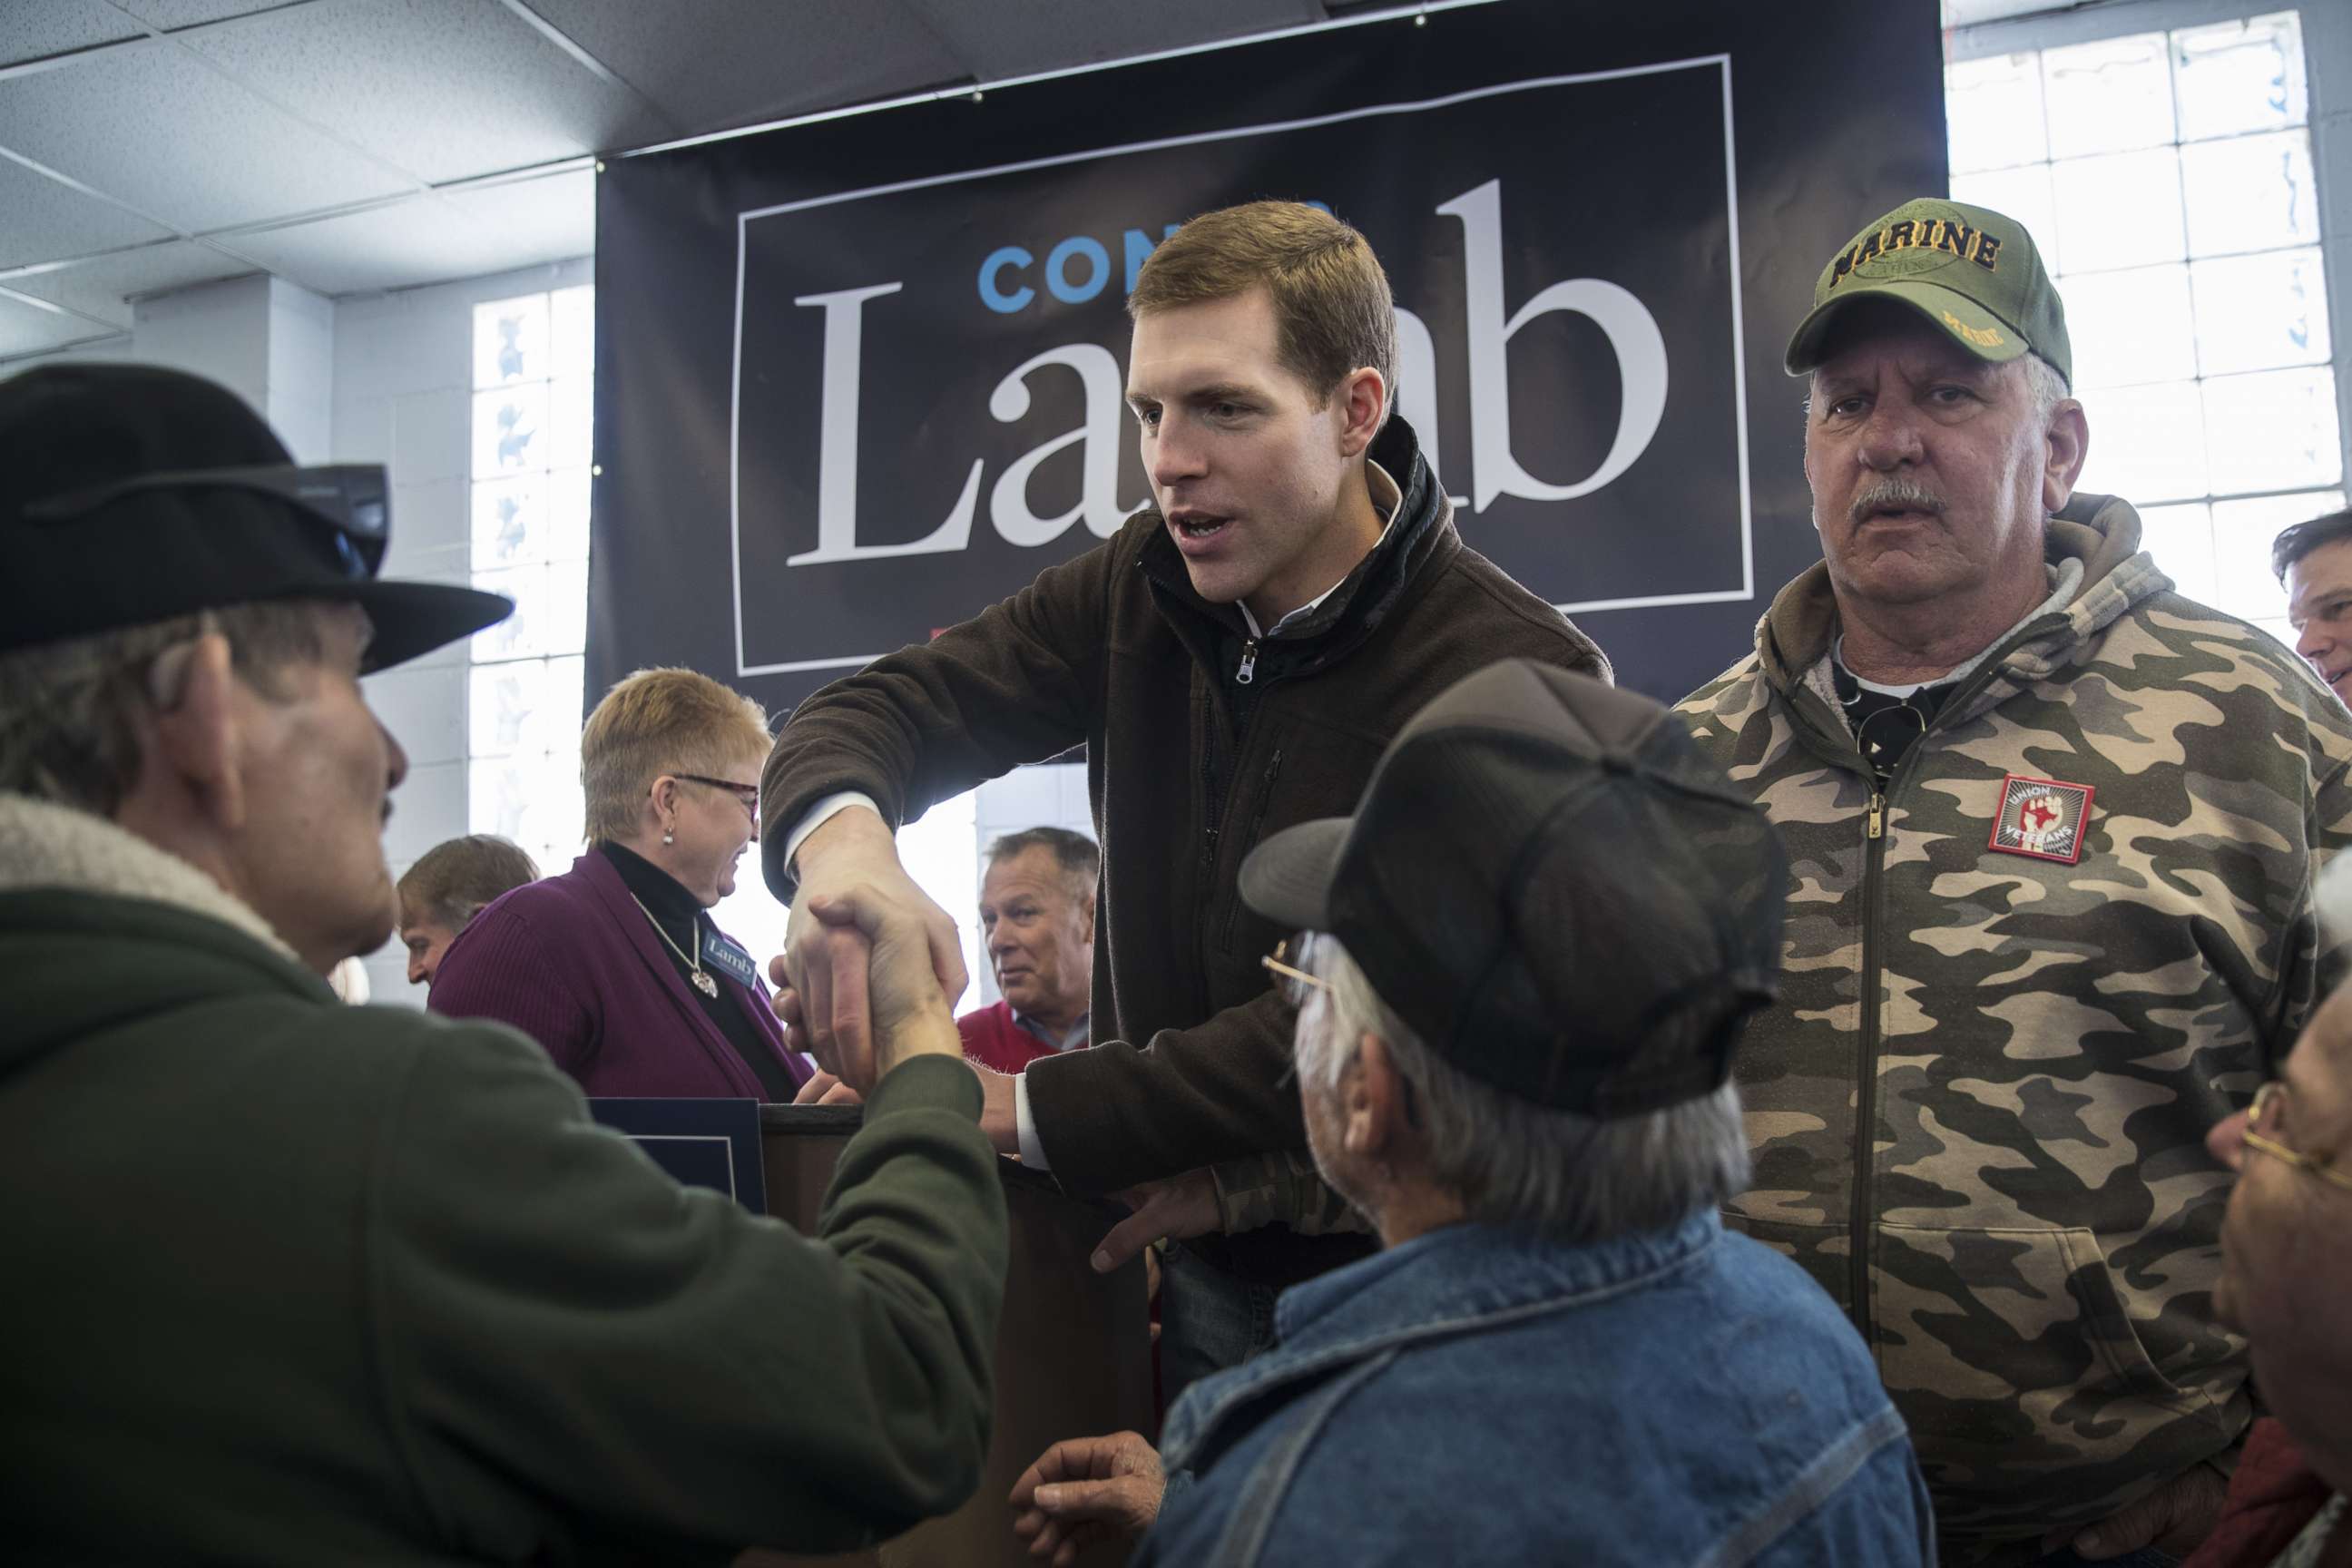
2050,915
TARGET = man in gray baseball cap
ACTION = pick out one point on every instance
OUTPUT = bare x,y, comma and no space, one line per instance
1525,964
292,1282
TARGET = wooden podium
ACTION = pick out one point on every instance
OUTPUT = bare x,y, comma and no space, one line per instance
1072,1348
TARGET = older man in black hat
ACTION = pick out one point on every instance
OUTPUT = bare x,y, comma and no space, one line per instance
1530,954
290,1282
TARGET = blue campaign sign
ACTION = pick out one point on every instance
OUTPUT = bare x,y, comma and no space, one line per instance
711,1143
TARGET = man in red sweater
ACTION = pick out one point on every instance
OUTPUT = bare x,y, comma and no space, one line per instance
1037,922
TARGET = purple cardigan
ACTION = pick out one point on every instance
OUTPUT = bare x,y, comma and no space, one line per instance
573,963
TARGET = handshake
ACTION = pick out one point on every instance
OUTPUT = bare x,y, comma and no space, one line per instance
870,963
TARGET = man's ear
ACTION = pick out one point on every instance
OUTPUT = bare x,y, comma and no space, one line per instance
1363,398
1371,1100
2068,442
1086,920
196,734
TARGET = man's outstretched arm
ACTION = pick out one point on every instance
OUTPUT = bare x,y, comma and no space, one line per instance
1118,1116
563,1333
1017,683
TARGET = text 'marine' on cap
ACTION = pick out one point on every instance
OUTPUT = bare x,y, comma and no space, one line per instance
1970,270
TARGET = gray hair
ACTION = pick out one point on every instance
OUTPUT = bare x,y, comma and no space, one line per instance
2047,387
1515,1163
1078,856
68,711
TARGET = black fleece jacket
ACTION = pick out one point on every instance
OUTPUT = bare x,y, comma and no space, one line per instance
1187,769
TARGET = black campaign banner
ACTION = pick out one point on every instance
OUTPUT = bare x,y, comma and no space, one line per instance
858,380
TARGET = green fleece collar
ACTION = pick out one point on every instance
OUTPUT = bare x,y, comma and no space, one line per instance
44,846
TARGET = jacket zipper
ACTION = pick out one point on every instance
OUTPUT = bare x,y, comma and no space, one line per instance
1865,1100
1865,1141
1244,674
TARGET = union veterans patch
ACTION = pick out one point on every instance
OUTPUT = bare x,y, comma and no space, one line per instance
2042,817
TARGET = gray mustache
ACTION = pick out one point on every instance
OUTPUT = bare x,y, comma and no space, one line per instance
1909,495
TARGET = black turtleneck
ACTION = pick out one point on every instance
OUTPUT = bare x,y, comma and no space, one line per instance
677,912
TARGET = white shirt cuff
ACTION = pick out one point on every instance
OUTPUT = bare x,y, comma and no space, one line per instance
820,814
1033,1153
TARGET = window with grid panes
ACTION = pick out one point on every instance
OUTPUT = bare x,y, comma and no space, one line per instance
2167,180
534,368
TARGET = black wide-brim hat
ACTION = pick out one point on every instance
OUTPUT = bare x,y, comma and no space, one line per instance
131,494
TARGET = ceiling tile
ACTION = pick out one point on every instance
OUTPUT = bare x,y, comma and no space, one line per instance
551,219
102,287
168,13
1970,13
41,220
152,126
34,29
747,60
430,239
29,328
444,88
999,41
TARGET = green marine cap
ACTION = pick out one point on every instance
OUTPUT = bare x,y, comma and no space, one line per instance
1969,270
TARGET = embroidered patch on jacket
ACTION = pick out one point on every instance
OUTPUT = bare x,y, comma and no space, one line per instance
2042,817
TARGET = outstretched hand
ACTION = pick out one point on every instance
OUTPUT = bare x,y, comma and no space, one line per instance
1084,1488
899,1008
1174,1209
829,963
823,1089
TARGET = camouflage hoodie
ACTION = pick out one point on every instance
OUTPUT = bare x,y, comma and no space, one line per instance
1979,1111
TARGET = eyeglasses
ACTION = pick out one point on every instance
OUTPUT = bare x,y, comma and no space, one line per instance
746,795
2269,1110
349,498
1295,984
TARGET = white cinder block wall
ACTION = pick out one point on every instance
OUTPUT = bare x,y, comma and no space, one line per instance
402,396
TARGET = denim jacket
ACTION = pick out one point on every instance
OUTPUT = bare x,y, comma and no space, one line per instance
1480,1395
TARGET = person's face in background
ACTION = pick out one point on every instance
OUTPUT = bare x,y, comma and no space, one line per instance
1039,931
427,940
2319,607
712,825
2286,1243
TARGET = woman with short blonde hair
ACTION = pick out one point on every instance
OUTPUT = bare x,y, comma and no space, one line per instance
615,966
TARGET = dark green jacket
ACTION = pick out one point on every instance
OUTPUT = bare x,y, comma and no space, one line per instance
290,1282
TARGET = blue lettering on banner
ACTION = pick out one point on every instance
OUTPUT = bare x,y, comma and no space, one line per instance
1057,275
1007,295
992,296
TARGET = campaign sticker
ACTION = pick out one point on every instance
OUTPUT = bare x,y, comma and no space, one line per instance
2042,817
